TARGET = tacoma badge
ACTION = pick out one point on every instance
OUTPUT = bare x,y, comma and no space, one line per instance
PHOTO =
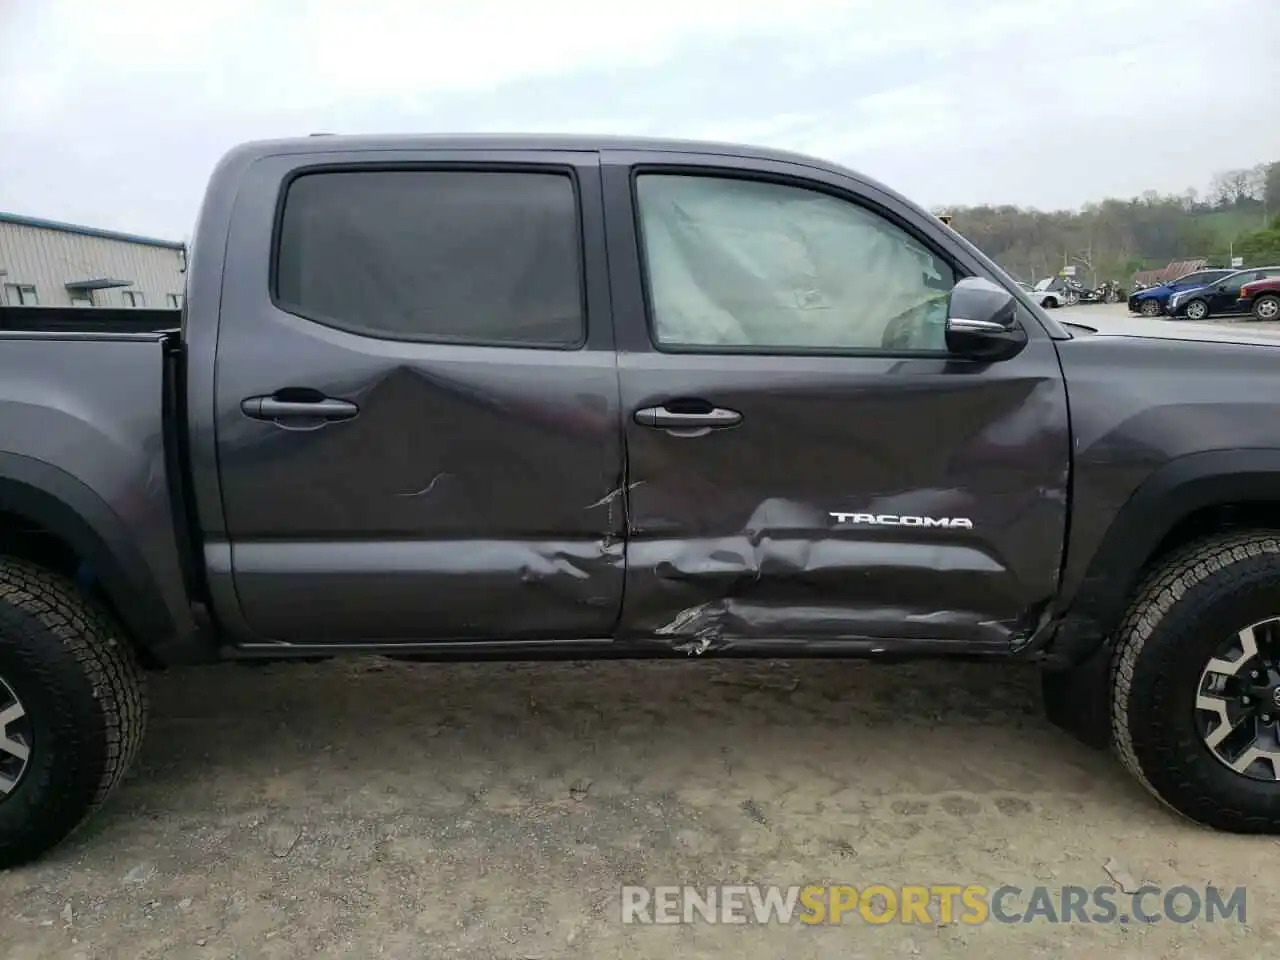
896,520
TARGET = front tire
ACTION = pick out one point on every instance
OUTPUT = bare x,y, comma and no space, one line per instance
1267,308
1051,303
1201,634
1196,310
1149,308
72,709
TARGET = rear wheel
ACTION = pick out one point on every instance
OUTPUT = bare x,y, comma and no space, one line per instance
72,709
1196,310
1196,683
1267,308
1051,303
1149,308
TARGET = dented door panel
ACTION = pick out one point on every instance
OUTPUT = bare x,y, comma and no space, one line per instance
862,500
731,536
473,497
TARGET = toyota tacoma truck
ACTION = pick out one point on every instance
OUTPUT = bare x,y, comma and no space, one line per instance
571,397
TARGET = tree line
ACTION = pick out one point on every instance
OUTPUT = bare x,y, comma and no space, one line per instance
1112,240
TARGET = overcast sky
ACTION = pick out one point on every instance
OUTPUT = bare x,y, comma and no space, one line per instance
112,114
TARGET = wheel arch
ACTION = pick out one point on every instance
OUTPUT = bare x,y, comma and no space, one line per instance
52,518
1186,498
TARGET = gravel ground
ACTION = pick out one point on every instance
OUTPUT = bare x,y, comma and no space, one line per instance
364,808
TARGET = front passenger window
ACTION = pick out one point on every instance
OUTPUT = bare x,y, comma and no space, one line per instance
754,264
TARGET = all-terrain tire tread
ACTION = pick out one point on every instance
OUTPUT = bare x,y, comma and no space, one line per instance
1157,593
90,635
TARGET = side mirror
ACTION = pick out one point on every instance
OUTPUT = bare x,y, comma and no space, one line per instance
982,321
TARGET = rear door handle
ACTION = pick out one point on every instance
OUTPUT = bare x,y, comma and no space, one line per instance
323,408
683,423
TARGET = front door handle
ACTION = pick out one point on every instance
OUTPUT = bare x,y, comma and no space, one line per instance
688,423
321,408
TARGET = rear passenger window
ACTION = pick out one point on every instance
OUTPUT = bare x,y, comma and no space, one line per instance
435,255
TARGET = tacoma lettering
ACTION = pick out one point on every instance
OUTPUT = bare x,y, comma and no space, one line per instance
898,520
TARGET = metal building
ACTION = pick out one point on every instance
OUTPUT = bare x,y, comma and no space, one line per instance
61,264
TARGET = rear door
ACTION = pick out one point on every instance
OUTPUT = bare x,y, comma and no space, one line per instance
416,393
806,463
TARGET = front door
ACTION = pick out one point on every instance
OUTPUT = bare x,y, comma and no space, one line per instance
806,463
417,400
1224,296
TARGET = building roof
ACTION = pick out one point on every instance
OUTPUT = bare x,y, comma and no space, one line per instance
22,221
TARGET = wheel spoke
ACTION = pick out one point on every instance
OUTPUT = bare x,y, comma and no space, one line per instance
15,747
1218,707
1249,650
1252,756
1240,688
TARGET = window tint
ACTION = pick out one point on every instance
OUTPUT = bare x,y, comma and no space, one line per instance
466,256
753,264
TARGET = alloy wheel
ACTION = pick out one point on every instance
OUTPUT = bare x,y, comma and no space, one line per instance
1196,310
1150,308
15,740
1238,702
1268,309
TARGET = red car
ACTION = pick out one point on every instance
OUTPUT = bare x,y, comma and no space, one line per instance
1261,298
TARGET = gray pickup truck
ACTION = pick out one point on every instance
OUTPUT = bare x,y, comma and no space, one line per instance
530,397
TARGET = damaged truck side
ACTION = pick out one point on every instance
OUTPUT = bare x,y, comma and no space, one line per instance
583,397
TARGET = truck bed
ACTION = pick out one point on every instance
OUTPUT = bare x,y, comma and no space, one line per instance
89,319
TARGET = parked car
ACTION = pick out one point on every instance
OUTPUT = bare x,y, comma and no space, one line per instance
413,409
1261,298
1152,301
1218,298
1049,299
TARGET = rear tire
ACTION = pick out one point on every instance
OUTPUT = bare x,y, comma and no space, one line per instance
1051,303
1186,608
72,709
1149,308
1267,308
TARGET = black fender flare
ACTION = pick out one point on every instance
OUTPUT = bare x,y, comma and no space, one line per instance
73,512
1171,494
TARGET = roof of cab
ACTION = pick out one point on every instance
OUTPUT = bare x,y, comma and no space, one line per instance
326,142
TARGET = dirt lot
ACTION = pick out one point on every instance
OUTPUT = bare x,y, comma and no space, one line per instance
376,809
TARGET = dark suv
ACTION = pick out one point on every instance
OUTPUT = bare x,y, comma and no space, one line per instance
1217,297
1152,301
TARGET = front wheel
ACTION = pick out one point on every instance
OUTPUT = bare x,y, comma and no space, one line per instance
1196,310
72,709
1267,308
1051,303
1149,308
1196,683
